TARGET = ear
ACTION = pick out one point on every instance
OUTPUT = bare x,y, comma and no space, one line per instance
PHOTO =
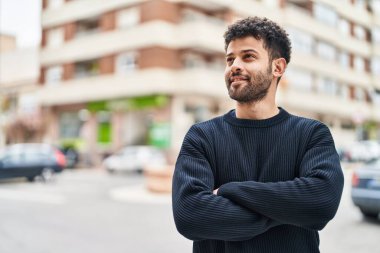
278,67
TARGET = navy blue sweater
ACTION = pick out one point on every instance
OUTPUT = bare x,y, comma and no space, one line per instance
279,181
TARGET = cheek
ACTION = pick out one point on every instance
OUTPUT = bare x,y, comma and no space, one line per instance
226,72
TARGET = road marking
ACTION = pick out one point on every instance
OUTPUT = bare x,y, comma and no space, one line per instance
39,197
138,194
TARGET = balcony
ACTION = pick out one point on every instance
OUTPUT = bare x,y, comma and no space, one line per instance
201,82
376,82
330,69
325,104
349,11
376,50
77,10
376,19
155,33
304,22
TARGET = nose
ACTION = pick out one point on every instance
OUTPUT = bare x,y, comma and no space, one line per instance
236,66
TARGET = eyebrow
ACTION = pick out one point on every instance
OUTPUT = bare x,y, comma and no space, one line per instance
244,51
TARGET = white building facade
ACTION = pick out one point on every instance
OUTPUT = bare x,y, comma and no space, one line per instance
124,72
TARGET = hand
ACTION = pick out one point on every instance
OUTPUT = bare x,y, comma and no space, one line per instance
215,191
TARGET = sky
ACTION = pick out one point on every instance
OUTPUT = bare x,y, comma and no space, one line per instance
21,18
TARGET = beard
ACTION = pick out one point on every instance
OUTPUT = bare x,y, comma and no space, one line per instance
254,90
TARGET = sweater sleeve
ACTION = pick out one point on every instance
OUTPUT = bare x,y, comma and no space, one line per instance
201,215
310,200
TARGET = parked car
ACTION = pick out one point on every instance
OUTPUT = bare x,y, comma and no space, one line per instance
365,191
71,155
31,160
362,151
134,158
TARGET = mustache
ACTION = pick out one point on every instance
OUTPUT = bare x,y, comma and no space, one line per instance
238,76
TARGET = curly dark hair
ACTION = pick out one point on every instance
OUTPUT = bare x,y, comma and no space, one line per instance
275,39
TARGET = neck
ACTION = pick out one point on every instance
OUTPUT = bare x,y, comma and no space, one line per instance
256,111
263,109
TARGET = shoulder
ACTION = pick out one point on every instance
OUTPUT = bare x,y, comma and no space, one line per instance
199,141
206,128
305,122
307,125
316,132
202,131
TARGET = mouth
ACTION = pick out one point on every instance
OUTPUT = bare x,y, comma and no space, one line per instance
237,79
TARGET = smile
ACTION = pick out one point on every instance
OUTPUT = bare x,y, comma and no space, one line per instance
237,79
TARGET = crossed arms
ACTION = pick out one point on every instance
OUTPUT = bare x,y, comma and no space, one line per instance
243,210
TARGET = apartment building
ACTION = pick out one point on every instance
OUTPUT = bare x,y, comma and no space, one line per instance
20,118
122,72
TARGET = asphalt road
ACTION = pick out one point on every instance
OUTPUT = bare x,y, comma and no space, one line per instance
349,232
88,210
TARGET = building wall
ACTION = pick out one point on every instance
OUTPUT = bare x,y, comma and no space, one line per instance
175,48
7,43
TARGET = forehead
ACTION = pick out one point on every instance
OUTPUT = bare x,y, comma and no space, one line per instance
236,46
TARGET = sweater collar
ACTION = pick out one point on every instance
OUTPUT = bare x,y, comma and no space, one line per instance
230,117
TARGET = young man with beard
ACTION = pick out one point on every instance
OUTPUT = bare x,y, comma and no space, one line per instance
257,179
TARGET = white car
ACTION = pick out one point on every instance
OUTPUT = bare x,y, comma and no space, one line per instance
363,151
134,158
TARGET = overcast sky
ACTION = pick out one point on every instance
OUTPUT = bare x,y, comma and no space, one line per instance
21,18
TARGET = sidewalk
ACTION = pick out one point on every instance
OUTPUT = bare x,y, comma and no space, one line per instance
139,194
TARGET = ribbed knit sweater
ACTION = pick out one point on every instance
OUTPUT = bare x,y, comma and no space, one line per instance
279,181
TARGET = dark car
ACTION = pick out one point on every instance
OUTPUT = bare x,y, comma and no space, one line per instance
71,155
31,160
365,190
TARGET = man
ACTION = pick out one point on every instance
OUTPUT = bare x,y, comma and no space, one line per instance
256,179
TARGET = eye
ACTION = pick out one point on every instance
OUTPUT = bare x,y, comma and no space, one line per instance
249,56
229,60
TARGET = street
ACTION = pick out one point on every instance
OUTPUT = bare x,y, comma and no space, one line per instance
88,210
349,231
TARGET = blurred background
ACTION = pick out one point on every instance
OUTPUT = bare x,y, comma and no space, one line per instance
104,91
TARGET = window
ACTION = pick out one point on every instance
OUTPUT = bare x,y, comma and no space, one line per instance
344,60
191,60
326,51
376,97
325,14
12,158
86,68
69,125
55,37
54,4
126,63
361,4
299,80
217,63
359,64
190,15
326,86
343,91
28,104
128,18
376,35
344,27
87,26
53,75
360,94
375,66
375,5
359,32
301,41
34,156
